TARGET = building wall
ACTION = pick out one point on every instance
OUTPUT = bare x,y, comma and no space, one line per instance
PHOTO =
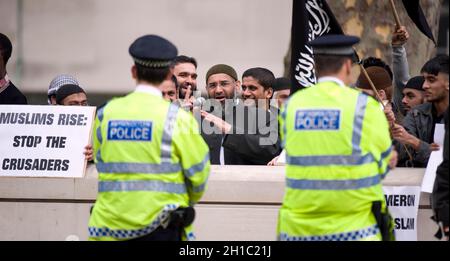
240,203
90,38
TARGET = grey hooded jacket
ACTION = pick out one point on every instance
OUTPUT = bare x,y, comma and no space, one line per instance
418,122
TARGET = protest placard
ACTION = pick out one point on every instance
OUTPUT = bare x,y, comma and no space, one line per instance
403,205
435,160
44,141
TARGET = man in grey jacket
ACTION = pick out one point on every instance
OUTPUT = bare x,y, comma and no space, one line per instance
418,127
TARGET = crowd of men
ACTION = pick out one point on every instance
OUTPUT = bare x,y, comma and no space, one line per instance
239,120
413,105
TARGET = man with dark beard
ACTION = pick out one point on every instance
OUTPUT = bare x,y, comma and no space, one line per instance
236,134
184,68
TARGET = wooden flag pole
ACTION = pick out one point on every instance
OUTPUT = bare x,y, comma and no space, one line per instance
363,70
394,10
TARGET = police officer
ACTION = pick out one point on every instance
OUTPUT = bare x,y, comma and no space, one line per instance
338,150
152,162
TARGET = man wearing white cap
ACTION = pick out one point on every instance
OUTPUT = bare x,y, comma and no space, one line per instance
56,83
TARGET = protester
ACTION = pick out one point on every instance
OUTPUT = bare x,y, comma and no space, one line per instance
400,73
281,90
9,94
400,68
73,95
257,87
185,70
236,134
413,93
380,79
417,129
169,89
380,64
56,83
382,82
413,96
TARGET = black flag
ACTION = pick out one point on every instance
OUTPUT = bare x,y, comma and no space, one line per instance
415,12
310,19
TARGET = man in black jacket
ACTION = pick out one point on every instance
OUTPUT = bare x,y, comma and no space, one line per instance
9,94
236,134
440,194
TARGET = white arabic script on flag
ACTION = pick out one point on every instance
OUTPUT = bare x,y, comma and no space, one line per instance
319,24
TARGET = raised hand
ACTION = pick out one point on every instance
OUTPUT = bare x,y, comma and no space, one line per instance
88,152
400,36
188,102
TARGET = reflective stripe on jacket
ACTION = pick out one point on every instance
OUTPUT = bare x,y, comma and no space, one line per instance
151,160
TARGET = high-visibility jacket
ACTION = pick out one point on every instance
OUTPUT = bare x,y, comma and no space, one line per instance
151,160
338,148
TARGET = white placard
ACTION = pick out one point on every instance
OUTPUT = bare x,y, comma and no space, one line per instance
44,141
403,204
435,159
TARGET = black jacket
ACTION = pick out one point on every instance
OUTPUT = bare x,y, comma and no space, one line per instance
254,139
440,196
418,122
12,95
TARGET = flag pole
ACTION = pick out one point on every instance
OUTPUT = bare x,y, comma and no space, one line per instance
394,10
